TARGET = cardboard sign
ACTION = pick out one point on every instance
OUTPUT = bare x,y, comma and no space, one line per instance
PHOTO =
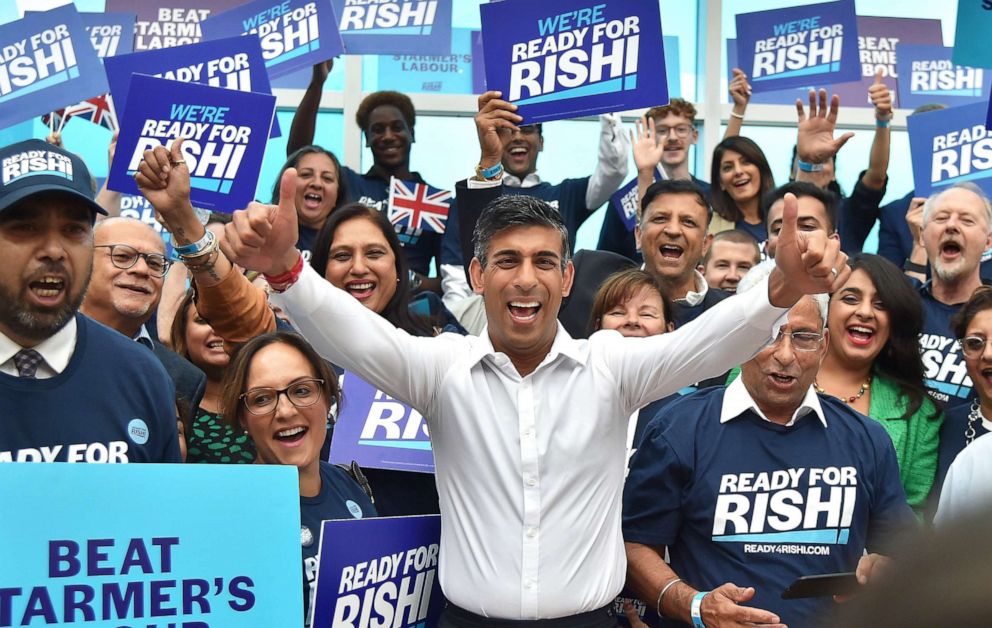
379,572
169,23
450,73
378,431
232,63
113,546
929,76
949,146
798,46
971,36
294,34
111,33
394,27
46,61
560,59
478,64
225,130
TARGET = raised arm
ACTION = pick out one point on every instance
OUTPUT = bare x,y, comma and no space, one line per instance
301,132
235,309
740,92
815,143
611,166
647,151
878,160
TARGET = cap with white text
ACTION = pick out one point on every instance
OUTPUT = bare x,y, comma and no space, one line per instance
33,166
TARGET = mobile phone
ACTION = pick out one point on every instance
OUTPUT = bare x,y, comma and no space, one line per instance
822,585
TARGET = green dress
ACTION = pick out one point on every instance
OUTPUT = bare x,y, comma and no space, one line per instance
213,441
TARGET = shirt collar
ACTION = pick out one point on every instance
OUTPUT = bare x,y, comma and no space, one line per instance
528,181
143,337
695,297
737,400
563,344
56,350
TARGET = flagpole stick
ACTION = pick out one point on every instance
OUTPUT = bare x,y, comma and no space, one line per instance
51,122
61,123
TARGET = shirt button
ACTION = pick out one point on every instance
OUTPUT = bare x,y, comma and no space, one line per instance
529,584
531,482
531,532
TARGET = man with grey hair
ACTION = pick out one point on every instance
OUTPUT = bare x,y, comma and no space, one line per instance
751,486
951,229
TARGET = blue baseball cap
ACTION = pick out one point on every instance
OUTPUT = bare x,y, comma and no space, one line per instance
34,166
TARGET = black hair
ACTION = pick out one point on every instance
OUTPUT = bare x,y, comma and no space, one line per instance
397,310
389,99
801,189
723,204
900,358
516,210
293,160
979,301
675,186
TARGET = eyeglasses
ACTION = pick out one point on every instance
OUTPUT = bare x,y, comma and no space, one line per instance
682,130
801,340
123,256
301,394
972,346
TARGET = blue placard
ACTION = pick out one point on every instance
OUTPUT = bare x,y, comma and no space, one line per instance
412,27
379,572
798,46
927,75
169,23
378,431
123,546
948,146
451,73
46,61
971,36
111,33
294,34
225,130
560,59
232,63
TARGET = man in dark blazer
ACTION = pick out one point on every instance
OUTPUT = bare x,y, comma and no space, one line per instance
129,267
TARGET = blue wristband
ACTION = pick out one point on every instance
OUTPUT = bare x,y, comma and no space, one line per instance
490,173
694,610
808,167
881,124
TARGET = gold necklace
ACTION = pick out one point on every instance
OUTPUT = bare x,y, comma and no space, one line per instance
852,398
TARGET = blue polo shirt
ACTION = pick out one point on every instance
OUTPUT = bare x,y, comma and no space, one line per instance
760,504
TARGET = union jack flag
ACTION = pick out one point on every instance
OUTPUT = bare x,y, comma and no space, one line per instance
418,205
98,110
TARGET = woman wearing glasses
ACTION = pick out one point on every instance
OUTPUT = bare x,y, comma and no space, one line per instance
740,175
208,438
280,393
966,422
873,364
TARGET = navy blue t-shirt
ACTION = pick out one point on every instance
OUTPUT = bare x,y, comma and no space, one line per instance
568,197
419,245
944,370
340,497
683,313
759,232
114,402
614,235
760,504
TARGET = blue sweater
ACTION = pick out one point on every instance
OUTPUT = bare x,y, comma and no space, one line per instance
113,402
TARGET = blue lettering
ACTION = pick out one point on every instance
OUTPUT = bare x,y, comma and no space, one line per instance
570,20
84,605
39,605
94,556
63,553
262,17
240,588
121,604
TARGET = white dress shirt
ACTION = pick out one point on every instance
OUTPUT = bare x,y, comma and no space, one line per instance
737,400
56,351
530,469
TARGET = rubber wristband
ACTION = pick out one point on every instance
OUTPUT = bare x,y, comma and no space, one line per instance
190,250
739,116
914,267
283,281
490,173
694,610
881,124
808,167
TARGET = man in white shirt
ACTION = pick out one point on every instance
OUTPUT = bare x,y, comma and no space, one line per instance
528,425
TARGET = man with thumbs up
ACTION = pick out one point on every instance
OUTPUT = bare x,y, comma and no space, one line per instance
528,425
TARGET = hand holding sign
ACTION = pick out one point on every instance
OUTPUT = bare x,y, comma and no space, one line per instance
806,263
815,143
495,122
163,179
881,98
263,237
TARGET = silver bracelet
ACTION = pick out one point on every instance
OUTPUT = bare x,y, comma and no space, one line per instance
664,590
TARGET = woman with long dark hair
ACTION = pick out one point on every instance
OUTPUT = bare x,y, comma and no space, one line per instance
873,364
740,176
320,190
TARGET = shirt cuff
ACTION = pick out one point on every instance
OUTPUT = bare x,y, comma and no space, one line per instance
476,184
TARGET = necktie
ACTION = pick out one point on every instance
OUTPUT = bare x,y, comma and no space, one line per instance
27,361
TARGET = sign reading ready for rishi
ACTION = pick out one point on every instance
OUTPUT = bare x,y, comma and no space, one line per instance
559,59
46,61
379,572
111,33
225,133
400,27
815,44
949,146
928,75
295,34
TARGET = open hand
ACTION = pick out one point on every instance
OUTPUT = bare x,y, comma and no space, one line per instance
721,608
815,142
648,151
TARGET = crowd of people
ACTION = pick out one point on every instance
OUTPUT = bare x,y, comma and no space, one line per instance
727,395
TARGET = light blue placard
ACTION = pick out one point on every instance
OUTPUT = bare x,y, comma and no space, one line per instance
221,541
971,37
443,74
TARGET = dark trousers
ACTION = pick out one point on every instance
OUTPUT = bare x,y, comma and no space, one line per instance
455,617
